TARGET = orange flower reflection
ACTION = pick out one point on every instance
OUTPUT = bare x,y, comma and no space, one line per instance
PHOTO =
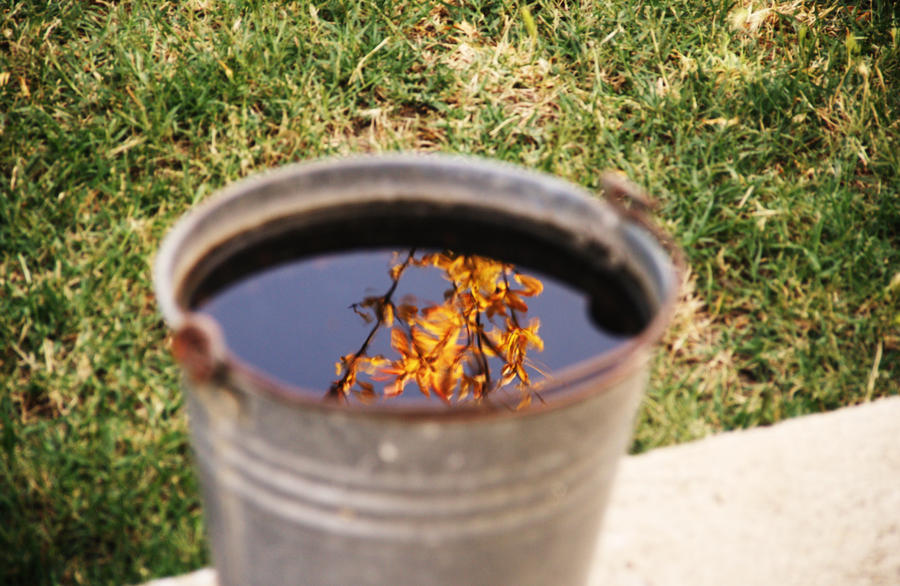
447,348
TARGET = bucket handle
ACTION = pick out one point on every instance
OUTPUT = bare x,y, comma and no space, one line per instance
633,202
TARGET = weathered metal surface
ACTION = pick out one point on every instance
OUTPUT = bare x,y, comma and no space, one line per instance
301,491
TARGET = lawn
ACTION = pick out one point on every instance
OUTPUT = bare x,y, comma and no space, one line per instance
768,132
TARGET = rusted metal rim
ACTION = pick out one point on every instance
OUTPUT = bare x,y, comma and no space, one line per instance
199,345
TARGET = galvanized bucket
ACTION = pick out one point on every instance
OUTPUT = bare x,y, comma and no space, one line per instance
299,491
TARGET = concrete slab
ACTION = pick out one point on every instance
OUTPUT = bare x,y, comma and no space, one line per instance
811,501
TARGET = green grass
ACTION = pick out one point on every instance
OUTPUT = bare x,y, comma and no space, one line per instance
771,139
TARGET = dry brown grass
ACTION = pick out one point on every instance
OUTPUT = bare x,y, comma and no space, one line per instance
486,72
387,127
501,73
694,343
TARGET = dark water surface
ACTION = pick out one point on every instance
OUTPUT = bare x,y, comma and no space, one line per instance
294,321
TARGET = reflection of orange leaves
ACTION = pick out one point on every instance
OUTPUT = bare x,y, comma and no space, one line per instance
371,364
371,301
532,286
479,308
399,341
432,357
474,385
515,302
366,391
396,387
440,321
365,315
404,368
406,312
378,306
387,314
446,375
513,344
522,337
525,401
530,334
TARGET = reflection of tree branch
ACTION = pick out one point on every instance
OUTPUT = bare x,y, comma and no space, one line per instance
512,311
479,339
482,359
336,388
490,343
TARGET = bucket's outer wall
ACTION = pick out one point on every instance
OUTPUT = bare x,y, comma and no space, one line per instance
297,492
307,497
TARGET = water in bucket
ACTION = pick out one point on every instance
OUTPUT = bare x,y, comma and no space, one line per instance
407,324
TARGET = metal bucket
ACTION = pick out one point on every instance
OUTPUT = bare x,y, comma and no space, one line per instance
298,491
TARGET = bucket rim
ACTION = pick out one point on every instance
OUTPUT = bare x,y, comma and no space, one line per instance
603,370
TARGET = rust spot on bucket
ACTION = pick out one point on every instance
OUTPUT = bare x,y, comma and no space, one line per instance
198,347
